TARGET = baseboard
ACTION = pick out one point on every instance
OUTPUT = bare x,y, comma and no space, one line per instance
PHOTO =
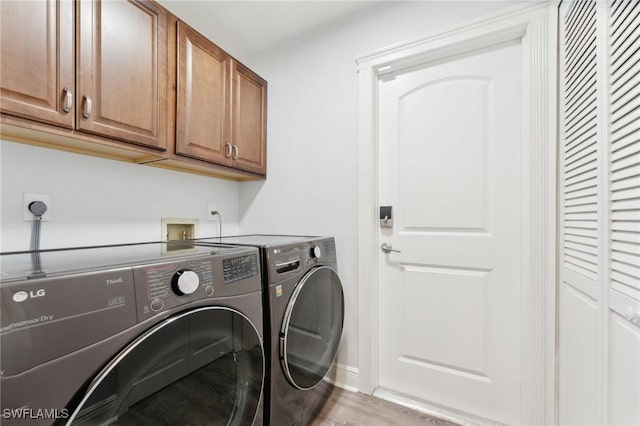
433,409
346,377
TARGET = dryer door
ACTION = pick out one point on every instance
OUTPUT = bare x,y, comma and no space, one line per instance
312,328
204,366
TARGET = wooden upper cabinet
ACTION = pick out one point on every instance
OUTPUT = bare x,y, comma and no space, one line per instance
202,118
221,106
37,64
122,70
249,122
127,76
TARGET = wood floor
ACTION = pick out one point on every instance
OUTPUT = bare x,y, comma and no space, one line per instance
354,408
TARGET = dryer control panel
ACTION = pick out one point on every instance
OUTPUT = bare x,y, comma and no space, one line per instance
286,260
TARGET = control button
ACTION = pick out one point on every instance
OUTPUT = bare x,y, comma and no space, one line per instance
185,282
157,304
208,290
316,252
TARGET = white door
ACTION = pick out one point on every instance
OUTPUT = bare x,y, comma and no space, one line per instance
450,147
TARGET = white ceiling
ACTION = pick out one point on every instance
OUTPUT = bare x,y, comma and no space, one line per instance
245,28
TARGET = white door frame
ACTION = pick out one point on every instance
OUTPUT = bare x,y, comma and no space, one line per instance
535,25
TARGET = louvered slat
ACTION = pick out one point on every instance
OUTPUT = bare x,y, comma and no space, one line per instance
625,98
583,248
626,226
589,200
580,151
623,237
587,241
624,148
585,162
629,151
580,208
581,145
573,14
625,274
590,233
582,93
588,176
622,34
624,83
625,12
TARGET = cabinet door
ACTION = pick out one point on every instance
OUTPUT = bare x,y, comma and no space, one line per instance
36,70
121,70
249,120
202,118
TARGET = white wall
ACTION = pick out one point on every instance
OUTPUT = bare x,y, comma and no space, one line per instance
312,157
100,201
313,131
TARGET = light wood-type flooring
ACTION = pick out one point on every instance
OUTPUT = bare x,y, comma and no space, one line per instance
346,408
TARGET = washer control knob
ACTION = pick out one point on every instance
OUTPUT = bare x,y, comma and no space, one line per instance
316,252
185,282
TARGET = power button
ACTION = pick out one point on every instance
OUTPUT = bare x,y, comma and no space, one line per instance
157,304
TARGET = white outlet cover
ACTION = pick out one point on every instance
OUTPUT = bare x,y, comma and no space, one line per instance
28,199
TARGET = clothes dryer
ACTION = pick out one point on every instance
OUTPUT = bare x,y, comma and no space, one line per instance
304,313
127,335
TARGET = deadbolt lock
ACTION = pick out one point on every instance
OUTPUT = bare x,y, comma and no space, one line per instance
386,217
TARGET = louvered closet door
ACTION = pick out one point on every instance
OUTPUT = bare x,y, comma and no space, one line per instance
581,189
599,300
624,223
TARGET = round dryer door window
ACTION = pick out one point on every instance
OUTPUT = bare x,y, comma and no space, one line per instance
201,367
312,327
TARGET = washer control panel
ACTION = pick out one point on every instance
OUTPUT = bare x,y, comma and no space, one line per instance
161,287
239,268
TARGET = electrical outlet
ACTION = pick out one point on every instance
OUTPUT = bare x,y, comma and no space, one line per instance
28,199
210,216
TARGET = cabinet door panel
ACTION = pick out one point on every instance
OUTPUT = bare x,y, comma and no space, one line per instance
122,54
37,60
202,129
249,120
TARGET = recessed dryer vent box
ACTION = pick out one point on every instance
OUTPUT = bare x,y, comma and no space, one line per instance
174,229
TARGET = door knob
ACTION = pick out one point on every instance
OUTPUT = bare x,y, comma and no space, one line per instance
386,247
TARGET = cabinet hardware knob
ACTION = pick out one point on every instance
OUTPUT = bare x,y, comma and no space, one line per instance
87,106
236,152
227,150
68,100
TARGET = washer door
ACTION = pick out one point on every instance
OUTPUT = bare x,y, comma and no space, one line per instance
312,328
204,366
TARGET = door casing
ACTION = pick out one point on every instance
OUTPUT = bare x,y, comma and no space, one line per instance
535,25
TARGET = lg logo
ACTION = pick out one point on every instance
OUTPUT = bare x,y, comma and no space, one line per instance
21,296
